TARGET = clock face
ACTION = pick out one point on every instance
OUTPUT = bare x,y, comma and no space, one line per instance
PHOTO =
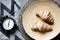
8,24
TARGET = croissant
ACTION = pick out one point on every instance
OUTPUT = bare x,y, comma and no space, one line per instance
41,26
46,16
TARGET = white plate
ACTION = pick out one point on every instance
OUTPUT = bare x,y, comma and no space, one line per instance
29,17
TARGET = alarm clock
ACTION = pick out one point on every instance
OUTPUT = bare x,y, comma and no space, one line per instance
8,25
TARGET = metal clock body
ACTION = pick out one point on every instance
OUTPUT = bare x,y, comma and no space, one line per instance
8,25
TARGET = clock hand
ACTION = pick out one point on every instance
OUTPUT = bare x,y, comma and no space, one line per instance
8,23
